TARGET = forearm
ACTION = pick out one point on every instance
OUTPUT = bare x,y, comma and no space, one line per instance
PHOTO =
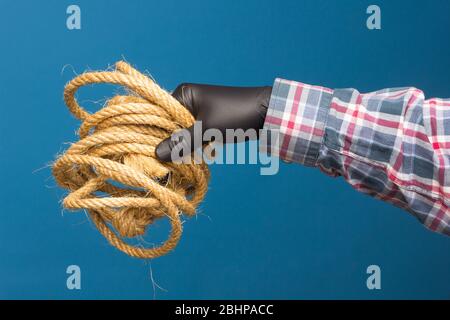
392,144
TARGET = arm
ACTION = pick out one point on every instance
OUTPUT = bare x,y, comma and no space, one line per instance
391,144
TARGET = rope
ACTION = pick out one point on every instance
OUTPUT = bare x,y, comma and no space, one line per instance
112,171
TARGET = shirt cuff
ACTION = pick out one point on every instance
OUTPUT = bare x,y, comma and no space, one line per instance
296,117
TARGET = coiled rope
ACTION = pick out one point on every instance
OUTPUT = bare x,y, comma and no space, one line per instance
112,171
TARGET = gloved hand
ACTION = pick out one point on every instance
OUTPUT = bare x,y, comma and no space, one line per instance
216,107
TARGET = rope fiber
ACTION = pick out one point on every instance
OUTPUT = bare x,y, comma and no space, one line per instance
113,172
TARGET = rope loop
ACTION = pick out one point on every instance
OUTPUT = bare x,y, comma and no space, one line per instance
113,172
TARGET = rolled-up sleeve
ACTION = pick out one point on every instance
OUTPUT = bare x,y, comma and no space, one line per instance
392,144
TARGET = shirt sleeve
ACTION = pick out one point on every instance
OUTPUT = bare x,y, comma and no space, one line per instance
392,144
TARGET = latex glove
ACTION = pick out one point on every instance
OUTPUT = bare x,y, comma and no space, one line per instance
216,107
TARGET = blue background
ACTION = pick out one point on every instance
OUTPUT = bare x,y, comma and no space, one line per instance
298,234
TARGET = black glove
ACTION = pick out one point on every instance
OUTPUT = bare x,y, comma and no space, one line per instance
217,107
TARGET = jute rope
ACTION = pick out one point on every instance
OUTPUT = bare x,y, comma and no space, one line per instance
112,171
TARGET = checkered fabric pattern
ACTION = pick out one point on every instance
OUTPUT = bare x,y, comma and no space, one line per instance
392,144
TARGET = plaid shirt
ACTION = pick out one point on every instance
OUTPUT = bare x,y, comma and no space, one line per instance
391,144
